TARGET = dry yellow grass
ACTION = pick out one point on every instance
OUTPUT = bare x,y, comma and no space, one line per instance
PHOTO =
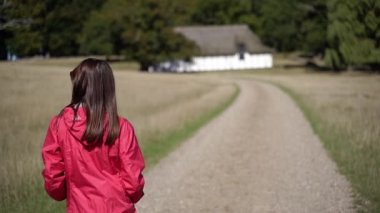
164,100
33,91
343,109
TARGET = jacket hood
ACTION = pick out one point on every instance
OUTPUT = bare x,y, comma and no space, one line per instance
75,125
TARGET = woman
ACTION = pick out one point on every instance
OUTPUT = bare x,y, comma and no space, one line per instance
91,155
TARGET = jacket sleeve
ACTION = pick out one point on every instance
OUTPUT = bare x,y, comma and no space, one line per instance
132,163
54,167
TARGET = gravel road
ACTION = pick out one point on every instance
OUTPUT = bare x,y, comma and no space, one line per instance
260,155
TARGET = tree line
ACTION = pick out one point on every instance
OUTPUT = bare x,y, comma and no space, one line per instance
345,33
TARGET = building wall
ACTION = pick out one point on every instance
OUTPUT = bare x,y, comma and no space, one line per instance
215,63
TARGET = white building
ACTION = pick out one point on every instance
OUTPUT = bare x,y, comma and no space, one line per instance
225,47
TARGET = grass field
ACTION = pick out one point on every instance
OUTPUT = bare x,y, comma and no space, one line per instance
344,111
164,109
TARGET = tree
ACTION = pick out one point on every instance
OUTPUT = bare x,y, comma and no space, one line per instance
21,24
294,25
149,37
53,28
7,23
64,22
280,22
219,12
313,29
140,30
353,34
101,33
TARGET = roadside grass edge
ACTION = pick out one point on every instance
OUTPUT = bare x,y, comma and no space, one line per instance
155,150
332,141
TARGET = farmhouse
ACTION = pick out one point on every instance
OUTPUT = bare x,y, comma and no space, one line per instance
223,47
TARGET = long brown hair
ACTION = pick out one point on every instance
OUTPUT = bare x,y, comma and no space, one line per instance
94,88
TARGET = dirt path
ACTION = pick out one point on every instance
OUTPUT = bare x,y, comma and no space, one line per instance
260,155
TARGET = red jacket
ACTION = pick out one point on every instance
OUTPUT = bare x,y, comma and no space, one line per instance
93,178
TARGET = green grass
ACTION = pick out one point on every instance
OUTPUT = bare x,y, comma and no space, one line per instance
161,146
31,197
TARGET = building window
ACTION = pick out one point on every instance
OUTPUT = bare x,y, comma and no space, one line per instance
241,48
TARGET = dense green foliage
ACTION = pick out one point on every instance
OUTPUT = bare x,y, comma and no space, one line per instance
140,30
353,34
149,37
294,25
51,27
344,32
214,12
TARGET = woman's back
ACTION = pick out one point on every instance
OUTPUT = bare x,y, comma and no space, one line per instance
93,176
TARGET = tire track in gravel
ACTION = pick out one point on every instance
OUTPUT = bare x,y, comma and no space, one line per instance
260,155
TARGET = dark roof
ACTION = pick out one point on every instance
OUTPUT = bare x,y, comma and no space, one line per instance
223,39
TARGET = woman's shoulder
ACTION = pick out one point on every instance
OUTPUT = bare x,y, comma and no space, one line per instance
125,123
55,121
58,118
126,128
